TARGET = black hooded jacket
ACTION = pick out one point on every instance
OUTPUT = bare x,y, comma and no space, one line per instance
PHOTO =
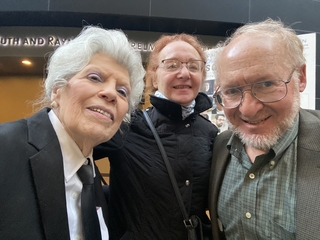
142,203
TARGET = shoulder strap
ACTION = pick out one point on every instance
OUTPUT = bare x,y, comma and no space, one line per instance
187,221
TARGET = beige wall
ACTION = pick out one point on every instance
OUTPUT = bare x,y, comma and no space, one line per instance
17,95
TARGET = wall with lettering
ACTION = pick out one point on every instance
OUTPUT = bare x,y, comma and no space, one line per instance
39,41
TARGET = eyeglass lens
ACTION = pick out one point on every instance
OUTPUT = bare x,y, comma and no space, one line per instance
267,92
172,65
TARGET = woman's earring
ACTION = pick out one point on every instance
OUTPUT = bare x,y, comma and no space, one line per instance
54,104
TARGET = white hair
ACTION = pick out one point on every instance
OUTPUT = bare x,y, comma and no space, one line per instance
72,57
274,29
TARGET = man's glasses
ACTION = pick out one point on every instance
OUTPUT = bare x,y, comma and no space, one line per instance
174,65
267,92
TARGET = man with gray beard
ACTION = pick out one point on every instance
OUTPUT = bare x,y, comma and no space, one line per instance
266,170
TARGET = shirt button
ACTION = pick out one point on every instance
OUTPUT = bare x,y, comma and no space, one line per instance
187,183
251,176
248,215
74,195
272,163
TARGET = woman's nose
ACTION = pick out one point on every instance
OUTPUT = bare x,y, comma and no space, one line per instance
108,93
184,71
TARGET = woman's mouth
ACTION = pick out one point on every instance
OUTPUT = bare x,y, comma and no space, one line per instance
181,87
102,112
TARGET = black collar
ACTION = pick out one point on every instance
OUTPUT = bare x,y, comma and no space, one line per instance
173,110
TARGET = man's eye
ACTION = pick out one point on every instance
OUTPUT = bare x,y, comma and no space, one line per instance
231,91
123,92
267,84
94,77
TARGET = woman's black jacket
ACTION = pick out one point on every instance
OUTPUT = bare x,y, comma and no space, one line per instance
142,203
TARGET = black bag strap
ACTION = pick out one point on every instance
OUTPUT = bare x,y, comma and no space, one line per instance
189,224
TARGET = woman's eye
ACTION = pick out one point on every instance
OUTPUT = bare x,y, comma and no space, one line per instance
194,67
172,65
123,92
94,77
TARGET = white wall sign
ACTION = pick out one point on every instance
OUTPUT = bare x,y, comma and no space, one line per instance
308,97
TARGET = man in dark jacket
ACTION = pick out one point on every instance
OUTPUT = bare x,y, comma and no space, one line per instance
265,176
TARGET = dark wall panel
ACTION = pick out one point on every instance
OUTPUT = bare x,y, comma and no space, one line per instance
317,85
303,14
318,104
23,5
171,25
124,7
224,11
125,22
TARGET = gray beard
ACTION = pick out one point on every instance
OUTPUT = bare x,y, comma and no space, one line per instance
267,141
261,142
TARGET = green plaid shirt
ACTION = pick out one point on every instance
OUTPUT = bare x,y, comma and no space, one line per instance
257,201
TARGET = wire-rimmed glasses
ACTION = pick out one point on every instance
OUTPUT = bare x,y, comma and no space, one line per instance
265,91
174,65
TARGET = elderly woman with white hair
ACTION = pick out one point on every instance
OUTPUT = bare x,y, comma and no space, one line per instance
93,84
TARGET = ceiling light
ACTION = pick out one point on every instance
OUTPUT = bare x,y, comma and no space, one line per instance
26,62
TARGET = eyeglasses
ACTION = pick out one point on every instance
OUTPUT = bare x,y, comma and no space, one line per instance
173,65
267,92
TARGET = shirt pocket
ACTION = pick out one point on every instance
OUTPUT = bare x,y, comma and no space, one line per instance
280,233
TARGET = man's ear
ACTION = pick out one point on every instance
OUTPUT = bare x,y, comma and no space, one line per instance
302,78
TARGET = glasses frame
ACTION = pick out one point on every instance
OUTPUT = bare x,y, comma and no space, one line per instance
187,66
250,89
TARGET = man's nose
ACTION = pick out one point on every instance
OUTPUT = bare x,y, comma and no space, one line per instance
249,105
